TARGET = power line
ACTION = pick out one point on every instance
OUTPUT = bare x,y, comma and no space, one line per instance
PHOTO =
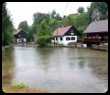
65,8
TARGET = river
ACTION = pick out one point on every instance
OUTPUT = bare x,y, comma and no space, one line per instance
58,70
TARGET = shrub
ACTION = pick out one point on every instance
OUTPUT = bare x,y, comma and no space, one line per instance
44,40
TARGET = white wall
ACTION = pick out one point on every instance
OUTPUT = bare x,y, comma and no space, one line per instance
24,39
20,40
64,41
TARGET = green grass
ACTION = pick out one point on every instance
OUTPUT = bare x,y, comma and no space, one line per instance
18,86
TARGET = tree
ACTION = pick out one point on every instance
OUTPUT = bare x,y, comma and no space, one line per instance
53,14
23,25
37,18
44,34
7,27
101,6
44,29
80,10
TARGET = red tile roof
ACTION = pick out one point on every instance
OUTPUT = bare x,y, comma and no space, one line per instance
97,26
61,31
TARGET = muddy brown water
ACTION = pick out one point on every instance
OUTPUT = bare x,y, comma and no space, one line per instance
74,70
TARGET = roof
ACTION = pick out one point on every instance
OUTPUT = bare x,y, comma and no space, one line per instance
61,31
17,31
97,26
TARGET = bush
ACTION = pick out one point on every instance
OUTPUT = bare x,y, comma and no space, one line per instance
44,40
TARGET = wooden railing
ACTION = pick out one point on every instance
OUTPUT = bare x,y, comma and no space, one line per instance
95,39
92,39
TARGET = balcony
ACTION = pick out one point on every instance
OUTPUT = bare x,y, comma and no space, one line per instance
92,39
96,39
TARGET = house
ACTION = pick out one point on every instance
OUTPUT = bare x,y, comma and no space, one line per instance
96,32
65,35
20,35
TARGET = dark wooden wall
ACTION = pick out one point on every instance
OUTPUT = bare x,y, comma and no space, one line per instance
22,33
72,30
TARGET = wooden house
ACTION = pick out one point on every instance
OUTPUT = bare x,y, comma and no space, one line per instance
96,32
65,35
20,35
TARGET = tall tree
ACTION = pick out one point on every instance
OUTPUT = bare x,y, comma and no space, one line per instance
37,18
44,29
44,34
101,6
23,25
53,14
7,27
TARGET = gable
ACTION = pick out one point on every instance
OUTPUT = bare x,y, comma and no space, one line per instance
61,31
70,31
21,34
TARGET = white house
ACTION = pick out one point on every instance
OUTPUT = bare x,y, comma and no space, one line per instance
65,35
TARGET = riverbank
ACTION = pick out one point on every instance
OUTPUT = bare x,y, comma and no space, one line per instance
103,47
20,89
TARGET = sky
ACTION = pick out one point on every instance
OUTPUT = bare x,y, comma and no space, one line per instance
21,11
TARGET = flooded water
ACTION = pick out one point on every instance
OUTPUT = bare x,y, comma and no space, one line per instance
61,70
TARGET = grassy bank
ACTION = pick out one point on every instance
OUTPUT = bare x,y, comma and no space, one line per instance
20,88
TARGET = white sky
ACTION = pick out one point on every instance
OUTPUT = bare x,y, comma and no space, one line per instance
21,11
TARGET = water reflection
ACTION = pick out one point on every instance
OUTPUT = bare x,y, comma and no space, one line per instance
61,69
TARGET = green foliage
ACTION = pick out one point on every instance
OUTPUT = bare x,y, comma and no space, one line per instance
38,17
44,34
18,86
101,6
7,27
80,10
44,40
79,21
53,14
44,29
23,25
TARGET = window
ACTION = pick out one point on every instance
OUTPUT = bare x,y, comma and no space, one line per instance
72,38
67,38
61,38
